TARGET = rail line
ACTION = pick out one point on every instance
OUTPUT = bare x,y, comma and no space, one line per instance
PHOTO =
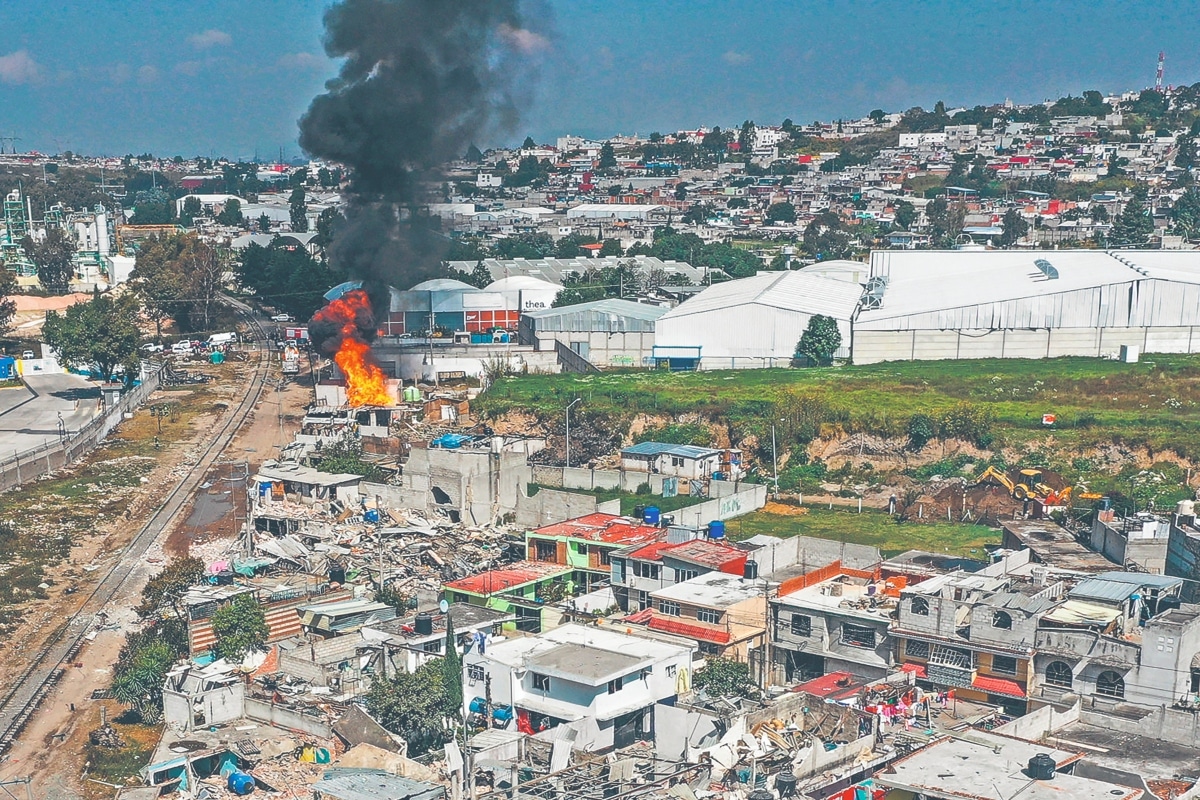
23,697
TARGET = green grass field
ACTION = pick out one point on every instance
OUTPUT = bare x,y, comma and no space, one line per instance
1153,403
870,528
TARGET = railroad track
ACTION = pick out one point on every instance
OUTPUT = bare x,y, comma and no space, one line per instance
22,698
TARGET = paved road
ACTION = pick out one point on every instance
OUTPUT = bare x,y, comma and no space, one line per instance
29,417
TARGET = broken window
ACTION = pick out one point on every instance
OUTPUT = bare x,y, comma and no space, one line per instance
919,606
1110,684
1002,619
801,625
1058,673
541,683
951,657
916,649
858,635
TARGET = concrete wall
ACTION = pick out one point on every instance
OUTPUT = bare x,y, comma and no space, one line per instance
871,346
676,728
751,497
284,717
603,349
1040,722
549,506
217,706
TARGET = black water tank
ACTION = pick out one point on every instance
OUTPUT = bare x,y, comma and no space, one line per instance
639,512
225,578
750,570
785,784
337,573
1041,767
424,624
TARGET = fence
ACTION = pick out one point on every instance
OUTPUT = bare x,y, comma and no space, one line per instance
36,462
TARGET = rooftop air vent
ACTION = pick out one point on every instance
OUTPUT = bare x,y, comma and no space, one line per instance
1047,269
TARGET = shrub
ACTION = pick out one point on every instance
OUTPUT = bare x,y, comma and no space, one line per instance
921,429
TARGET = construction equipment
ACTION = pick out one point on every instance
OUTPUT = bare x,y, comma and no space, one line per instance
1029,486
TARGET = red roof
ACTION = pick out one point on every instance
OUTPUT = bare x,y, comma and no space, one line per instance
497,580
699,632
652,551
711,554
998,686
834,685
916,669
603,528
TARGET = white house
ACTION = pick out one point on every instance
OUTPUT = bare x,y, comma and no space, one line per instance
601,683
680,460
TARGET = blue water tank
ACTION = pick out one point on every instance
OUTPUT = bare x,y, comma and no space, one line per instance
478,705
716,529
718,476
651,515
502,714
240,783
371,515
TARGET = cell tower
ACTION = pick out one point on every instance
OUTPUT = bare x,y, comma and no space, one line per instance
1158,76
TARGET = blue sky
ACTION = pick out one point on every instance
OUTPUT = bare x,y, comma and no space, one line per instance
231,77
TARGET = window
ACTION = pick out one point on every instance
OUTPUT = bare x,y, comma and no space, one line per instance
474,672
709,616
919,606
916,649
951,657
1002,619
1110,684
801,625
646,673
644,570
544,551
858,635
643,600
614,685
668,607
1058,673
682,575
710,649
541,683
432,647
1004,665
605,559
676,461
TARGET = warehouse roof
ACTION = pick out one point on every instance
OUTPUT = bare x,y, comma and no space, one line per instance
553,269
922,281
611,306
791,291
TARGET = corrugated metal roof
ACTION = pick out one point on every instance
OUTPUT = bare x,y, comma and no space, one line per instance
666,449
1117,587
611,305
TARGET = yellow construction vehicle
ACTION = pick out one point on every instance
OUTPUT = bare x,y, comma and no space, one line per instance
1030,486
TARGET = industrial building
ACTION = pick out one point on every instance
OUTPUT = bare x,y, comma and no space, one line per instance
554,270
926,305
607,333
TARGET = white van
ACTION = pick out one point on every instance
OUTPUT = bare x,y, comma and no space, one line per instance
222,339
182,348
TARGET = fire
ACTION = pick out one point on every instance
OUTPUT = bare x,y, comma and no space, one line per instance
365,382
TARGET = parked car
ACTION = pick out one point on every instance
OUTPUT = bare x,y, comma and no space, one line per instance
182,348
283,318
152,347
27,354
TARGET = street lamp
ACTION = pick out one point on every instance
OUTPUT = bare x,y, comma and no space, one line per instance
573,402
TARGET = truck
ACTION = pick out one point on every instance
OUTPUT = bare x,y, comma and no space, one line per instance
218,339
291,360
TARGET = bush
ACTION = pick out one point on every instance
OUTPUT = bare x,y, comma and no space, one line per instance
643,488
697,435
967,421
921,429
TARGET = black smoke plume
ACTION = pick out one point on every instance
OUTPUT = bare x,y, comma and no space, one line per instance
421,81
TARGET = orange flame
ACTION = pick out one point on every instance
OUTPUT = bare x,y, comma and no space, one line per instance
366,385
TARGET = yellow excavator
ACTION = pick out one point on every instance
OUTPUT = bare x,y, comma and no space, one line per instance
1029,487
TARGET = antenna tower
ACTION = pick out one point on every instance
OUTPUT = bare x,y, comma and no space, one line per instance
1158,76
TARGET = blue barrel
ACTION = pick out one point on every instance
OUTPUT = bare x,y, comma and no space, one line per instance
651,515
478,705
718,476
241,783
716,529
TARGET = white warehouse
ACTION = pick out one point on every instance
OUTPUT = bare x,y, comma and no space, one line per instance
925,305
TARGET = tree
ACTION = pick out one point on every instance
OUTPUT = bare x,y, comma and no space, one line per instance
877,115
166,588
473,154
345,457
191,210
608,157
921,428
820,340
528,144
54,257
1015,228
723,677
905,214
240,627
452,672
231,214
139,674
480,276
738,202
298,210
101,333
412,705
1134,226
782,212
746,137
8,308
264,223
1185,214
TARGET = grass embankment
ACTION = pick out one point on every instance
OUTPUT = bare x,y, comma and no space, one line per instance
871,527
1153,403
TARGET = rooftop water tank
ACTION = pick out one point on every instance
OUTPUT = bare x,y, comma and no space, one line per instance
424,625
716,529
1041,767
241,783
651,515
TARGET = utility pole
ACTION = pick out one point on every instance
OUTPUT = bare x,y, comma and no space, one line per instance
774,461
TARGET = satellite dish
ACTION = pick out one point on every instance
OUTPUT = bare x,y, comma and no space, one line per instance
444,606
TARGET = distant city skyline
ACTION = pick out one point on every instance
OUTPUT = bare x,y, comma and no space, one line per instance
225,78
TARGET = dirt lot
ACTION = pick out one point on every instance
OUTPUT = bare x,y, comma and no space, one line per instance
54,747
